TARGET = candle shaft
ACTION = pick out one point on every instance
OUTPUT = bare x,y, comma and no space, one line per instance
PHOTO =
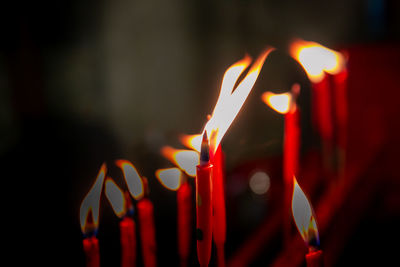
128,242
204,212
147,232
315,259
184,202
219,214
91,248
322,108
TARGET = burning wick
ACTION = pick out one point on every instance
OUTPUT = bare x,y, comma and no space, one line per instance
89,219
123,208
139,190
204,173
304,218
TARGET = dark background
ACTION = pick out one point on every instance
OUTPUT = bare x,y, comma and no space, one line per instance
86,82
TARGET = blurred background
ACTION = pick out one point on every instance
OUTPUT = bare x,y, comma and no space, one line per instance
87,82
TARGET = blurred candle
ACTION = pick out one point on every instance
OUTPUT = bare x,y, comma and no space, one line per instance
89,220
304,218
123,208
139,190
286,104
173,179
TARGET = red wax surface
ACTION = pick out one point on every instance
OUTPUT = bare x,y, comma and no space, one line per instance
219,214
147,232
204,212
315,259
91,248
128,242
291,146
184,202
340,92
321,108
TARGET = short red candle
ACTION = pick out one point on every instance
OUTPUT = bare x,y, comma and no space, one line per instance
91,248
147,232
315,259
128,242
218,195
184,202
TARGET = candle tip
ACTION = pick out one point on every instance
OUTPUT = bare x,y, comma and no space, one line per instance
205,150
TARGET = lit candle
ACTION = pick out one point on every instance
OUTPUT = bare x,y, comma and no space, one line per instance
89,220
204,173
173,179
229,103
139,190
286,104
123,208
318,61
304,218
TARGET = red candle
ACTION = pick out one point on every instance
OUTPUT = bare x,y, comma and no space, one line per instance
89,220
322,108
91,248
173,179
219,214
184,202
286,104
123,208
340,88
315,259
147,229
204,173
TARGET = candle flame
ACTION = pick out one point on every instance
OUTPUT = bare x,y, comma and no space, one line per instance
317,59
278,102
303,215
170,178
116,197
192,141
89,210
186,160
231,98
132,178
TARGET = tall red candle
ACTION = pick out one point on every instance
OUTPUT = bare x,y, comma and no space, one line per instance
340,89
91,248
218,195
204,173
184,204
147,229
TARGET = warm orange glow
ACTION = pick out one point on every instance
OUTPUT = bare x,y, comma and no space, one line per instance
191,141
316,59
231,99
132,178
186,160
171,178
278,102
303,215
89,210
116,197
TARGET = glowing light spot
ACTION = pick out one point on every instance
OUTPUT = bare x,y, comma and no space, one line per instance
259,183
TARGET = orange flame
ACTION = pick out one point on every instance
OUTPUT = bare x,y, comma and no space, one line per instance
192,141
303,215
278,102
231,99
316,59
89,210
170,178
116,197
186,160
132,178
